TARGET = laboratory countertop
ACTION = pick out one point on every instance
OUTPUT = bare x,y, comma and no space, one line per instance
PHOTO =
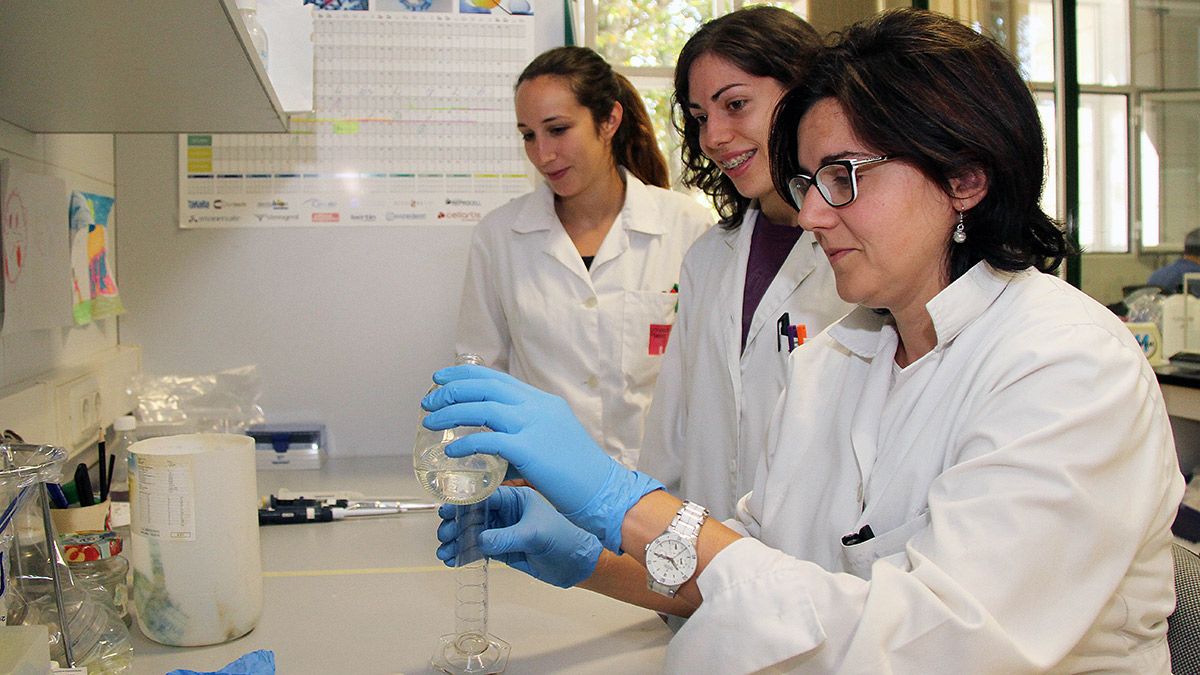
1181,390
368,596
1178,376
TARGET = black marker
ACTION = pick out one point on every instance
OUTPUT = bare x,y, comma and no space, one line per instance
100,468
854,538
112,464
83,486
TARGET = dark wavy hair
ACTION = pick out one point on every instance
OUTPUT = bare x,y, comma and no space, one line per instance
763,41
947,100
597,87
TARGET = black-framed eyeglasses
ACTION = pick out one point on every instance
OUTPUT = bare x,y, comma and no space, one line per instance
837,181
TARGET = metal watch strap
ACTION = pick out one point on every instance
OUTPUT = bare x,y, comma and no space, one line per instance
688,520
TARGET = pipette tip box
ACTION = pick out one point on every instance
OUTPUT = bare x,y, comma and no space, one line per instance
289,446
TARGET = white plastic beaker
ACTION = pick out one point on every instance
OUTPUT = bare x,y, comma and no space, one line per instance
197,571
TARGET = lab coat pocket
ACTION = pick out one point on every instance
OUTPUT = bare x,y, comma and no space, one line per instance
861,556
645,329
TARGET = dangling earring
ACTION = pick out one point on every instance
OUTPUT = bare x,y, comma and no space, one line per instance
960,234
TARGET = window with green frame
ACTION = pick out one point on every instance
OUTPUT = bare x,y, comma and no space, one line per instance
641,38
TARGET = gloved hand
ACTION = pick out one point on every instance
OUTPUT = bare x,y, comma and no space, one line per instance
527,534
539,435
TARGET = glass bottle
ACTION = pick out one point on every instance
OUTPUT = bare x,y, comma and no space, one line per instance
258,37
108,577
459,480
99,639
124,435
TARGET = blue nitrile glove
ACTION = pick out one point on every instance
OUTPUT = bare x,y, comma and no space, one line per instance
539,435
527,534
260,662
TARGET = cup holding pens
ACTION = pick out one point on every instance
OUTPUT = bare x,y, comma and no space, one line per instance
94,518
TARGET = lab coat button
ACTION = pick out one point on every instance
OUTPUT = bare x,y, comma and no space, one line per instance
593,382
590,303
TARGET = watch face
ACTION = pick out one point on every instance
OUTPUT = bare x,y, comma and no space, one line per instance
670,560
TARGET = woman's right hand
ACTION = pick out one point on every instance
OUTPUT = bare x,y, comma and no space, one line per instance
539,435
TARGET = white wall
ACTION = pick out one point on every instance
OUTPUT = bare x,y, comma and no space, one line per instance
345,324
84,162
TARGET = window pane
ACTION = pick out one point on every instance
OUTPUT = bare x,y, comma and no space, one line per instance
1103,42
1045,104
1170,169
1103,173
1168,51
1035,43
1103,170
656,94
1025,27
648,33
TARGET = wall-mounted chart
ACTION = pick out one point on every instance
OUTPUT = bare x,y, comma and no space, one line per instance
413,125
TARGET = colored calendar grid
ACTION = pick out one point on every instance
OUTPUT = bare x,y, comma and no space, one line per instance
409,127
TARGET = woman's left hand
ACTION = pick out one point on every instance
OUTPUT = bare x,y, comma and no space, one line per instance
527,534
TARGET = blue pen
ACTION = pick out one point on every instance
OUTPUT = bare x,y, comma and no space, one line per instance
56,496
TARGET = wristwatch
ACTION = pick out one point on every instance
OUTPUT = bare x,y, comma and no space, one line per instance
671,557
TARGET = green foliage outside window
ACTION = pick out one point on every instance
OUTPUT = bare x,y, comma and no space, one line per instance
648,33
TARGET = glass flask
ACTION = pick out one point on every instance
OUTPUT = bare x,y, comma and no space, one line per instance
461,480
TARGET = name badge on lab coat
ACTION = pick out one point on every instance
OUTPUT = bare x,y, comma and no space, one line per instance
659,334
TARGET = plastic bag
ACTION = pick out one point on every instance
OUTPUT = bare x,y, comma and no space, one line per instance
224,402
1145,305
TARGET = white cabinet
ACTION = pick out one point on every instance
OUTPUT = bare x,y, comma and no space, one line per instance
132,66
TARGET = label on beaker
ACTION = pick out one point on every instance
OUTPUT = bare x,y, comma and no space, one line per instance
166,497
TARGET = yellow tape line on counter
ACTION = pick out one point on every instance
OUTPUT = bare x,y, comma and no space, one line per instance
366,570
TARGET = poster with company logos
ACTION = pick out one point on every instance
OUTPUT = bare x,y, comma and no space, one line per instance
411,127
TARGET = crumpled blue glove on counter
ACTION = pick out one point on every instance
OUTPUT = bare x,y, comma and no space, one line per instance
527,534
260,662
539,435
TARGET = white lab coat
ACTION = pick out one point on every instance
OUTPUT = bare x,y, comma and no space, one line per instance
531,308
1020,480
713,404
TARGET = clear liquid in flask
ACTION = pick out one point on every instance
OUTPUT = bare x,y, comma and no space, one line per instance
457,480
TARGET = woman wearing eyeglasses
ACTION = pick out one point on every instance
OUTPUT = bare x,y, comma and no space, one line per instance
971,472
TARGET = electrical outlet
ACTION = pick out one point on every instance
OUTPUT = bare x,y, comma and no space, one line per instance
79,406
69,407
